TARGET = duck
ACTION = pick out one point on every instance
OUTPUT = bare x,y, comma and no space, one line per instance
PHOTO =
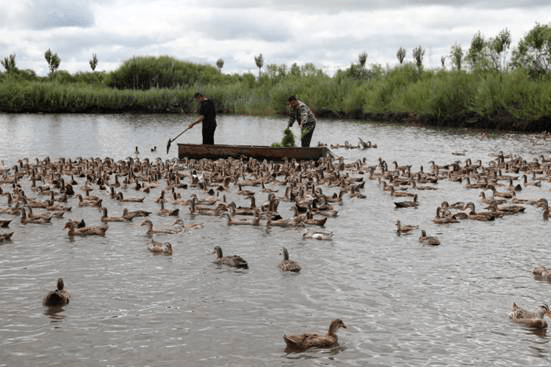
444,218
160,248
250,221
105,218
404,229
314,221
400,193
481,216
5,223
188,226
73,230
531,319
39,220
541,273
57,298
175,228
300,343
543,203
322,236
407,204
428,240
5,236
235,260
120,197
92,202
168,212
288,265
134,213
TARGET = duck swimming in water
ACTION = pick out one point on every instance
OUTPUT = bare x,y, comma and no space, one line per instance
235,260
428,240
532,319
59,297
159,248
300,343
288,265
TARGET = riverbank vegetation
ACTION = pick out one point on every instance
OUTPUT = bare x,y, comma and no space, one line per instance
478,86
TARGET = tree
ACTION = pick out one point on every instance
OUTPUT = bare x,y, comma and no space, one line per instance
534,51
418,53
443,61
475,56
93,62
53,61
498,47
362,59
220,64
401,54
456,55
259,60
9,64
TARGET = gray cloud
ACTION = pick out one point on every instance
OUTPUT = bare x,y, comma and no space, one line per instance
224,26
330,6
44,14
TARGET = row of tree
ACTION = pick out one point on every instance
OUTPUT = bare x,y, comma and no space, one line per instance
533,53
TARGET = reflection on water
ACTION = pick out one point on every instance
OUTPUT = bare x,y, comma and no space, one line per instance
404,304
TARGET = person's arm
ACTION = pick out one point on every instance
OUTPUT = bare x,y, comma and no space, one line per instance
199,119
292,115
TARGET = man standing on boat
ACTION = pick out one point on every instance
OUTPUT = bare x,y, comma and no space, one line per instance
207,115
299,111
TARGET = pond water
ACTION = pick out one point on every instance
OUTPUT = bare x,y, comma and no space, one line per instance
404,304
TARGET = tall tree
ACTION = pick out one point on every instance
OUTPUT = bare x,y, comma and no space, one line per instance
475,55
456,55
418,53
220,64
534,51
443,61
9,63
53,61
93,62
401,54
498,48
362,59
259,60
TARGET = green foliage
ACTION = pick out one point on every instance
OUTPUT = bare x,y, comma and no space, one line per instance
93,62
287,141
9,64
401,55
418,53
160,72
53,61
534,51
456,56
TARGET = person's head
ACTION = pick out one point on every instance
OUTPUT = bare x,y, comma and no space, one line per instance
198,97
293,102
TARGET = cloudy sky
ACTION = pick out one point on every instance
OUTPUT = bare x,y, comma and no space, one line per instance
329,34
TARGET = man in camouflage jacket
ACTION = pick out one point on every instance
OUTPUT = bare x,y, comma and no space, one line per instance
299,111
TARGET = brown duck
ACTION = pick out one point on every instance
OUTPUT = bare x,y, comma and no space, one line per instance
300,343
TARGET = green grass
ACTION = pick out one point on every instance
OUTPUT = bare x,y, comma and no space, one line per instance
403,89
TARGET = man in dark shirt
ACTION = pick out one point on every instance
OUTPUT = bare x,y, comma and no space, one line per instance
207,115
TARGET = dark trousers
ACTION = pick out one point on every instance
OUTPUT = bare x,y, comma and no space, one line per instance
208,134
305,140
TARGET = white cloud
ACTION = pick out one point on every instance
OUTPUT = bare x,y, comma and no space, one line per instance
327,33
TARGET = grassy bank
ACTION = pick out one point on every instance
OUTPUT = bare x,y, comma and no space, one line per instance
400,93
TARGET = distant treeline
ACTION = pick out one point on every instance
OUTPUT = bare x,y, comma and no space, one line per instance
489,92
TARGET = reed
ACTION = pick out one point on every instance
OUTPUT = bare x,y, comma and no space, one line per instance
439,94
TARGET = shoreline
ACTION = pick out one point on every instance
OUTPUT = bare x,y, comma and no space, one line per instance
502,121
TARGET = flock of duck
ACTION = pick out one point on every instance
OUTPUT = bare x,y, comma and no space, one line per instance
505,177
40,191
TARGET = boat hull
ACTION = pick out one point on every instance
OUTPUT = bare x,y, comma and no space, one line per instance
198,151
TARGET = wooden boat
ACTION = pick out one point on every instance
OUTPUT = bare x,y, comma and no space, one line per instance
215,151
